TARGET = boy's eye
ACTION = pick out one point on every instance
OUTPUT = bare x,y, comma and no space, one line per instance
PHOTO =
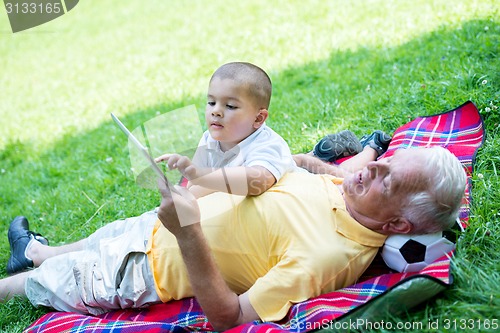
231,107
211,103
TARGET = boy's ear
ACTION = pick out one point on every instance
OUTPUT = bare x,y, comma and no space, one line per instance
260,118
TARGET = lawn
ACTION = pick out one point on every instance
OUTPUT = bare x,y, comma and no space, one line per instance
361,65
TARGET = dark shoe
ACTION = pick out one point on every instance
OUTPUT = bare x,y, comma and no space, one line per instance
335,146
378,140
19,237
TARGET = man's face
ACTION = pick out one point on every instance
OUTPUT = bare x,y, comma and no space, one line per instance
376,194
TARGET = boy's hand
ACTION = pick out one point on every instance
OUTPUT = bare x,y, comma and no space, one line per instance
182,163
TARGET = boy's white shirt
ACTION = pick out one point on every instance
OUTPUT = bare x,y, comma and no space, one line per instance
264,147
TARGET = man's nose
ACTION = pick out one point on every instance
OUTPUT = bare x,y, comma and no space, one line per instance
372,170
376,168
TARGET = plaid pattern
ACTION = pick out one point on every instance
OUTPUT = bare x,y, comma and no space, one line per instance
459,130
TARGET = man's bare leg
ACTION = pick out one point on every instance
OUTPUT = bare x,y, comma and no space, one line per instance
13,286
38,252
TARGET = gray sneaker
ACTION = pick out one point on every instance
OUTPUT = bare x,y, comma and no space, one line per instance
338,145
378,140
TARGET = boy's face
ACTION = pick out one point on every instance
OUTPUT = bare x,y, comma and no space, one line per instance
231,114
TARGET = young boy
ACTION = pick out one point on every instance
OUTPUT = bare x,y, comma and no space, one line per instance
238,153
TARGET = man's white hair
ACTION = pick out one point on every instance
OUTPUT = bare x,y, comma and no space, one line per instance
437,207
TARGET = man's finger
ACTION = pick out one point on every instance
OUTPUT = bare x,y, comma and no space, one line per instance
164,188
183,191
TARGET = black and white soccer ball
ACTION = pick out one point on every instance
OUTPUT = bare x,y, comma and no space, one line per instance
405,253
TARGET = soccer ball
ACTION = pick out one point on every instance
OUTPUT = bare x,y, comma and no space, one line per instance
406,253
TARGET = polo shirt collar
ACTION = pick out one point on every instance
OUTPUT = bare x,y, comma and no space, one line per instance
352,229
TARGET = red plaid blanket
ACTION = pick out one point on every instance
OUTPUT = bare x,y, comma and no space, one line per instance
459,130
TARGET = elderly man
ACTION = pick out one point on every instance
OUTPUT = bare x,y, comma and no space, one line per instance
250,257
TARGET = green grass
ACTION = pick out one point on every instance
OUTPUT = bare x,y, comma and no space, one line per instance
361,65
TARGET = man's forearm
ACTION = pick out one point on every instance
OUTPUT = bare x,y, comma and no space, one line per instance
179,213
317,166
220,304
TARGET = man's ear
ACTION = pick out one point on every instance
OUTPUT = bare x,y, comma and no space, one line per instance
260,118
398,226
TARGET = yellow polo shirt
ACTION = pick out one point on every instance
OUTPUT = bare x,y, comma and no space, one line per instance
293,242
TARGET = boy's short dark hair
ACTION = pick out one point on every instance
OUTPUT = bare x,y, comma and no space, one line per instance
259,83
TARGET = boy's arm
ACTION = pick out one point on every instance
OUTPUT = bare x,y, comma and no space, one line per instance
239,180
199,191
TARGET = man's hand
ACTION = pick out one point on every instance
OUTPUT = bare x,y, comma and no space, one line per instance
178,208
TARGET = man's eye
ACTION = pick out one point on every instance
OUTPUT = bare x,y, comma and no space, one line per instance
387,183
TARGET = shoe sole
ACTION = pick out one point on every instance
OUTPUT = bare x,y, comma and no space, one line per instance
338,145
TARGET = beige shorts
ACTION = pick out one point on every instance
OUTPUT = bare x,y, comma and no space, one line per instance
111,273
